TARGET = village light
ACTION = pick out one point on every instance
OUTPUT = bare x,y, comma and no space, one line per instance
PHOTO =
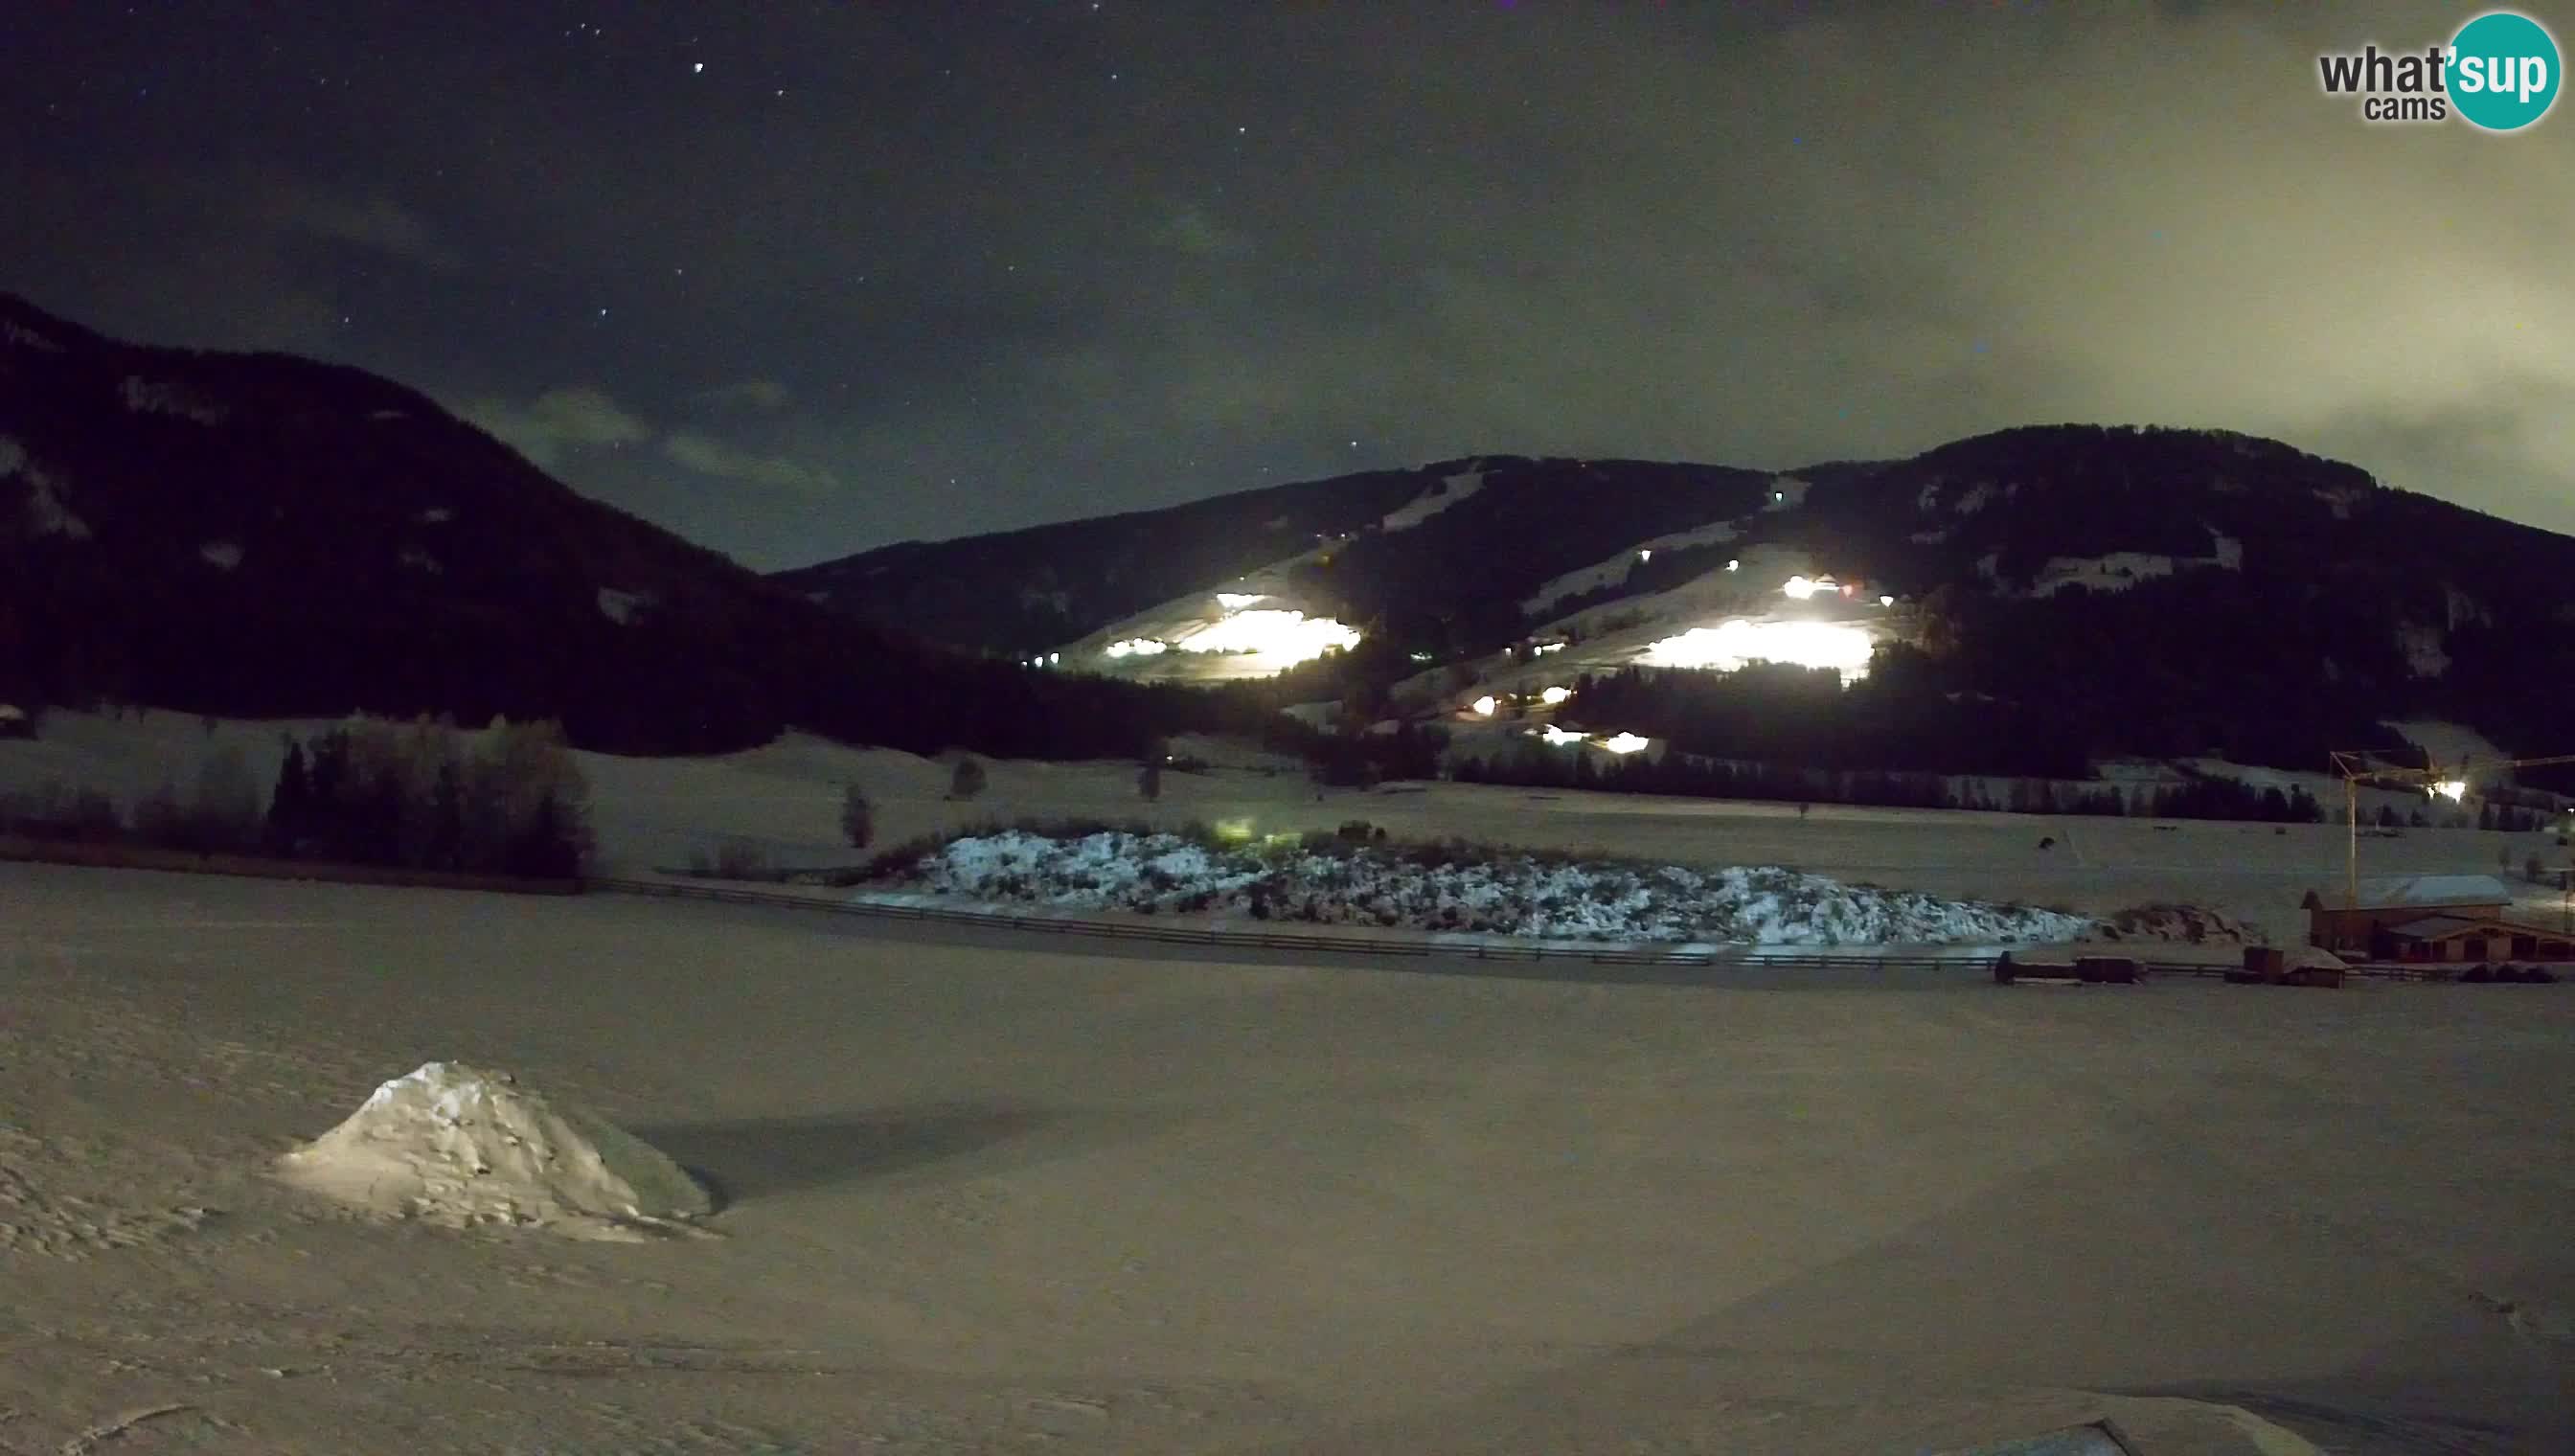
2453,790
1485,704
1645,554
1554,696
1800,588
1885,601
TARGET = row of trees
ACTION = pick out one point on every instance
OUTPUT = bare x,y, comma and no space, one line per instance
509,801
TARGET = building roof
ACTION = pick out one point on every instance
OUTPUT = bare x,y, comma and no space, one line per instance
2440,927
2430,890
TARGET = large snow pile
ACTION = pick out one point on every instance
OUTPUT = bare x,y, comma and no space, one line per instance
458,1145
1511,895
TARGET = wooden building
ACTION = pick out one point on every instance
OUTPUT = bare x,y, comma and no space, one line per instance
2397,900
2460,938
2431,919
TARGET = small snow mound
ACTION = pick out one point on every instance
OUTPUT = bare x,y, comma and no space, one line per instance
462,1147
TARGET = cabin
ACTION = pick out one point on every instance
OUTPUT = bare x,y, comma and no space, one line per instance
2437,938
2348,929
2431,919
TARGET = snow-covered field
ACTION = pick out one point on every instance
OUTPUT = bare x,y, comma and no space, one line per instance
785,799
985,1193
1428,890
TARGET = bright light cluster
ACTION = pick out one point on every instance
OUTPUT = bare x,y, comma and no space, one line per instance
1733,644
2453,790
1237,600
1137,646
1485,705
1625,744
1557,737
1554,696
1800,588
1289,636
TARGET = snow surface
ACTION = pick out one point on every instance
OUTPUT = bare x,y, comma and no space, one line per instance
47,515
2114,572
1422,508
2449,743
1613,570
992,1193
223,555
13,332
1513,895
462,1147
2426,655
622,608
12,457
152,397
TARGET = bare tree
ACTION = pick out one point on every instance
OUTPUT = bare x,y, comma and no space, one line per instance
857,817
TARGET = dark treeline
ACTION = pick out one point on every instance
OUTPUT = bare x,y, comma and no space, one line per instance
509,801
1895,719
1536,764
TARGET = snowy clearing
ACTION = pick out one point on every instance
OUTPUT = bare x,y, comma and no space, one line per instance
1430,889
983,1194
1453,489
1614,570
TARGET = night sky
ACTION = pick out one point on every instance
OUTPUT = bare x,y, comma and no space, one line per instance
801,279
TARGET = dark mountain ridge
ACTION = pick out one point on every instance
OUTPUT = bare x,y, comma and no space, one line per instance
263,534
2122,590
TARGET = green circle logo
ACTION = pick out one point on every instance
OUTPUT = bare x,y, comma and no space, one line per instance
2502,72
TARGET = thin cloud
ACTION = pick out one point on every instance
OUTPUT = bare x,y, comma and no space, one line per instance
558,423
712,457
763,394
374,223
1196,232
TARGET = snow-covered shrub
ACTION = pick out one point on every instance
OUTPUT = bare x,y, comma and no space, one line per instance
1331,879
